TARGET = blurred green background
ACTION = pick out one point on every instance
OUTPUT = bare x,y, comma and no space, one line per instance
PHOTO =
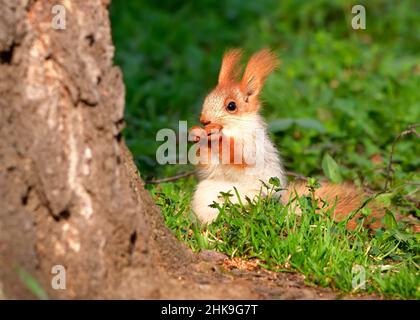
339,91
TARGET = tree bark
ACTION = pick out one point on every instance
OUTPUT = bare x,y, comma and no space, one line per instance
70,193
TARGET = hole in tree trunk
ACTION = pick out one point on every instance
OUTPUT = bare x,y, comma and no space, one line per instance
6,56
133,240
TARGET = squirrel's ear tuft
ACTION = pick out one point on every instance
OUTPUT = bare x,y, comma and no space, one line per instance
259,67
230,69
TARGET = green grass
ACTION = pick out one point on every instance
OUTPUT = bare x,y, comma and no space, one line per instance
311,243
32,284
339,94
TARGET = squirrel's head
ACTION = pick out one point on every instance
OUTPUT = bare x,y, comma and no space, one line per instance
234,99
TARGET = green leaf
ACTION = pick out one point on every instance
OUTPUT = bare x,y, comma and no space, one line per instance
311,124
203,241
331,169
274,181
385,199
390,220
280,125
402,236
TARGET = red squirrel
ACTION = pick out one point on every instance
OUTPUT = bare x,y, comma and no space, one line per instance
231,116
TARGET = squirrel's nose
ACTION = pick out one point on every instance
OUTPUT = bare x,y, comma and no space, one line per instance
204,121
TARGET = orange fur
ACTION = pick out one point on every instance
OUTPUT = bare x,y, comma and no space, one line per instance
346,198
257,70
229,70
227,150
245,92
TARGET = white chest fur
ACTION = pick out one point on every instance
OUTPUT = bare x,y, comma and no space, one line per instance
262,162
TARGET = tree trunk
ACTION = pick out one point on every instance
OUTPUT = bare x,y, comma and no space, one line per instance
70,193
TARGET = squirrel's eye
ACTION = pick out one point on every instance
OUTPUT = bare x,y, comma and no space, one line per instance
231,106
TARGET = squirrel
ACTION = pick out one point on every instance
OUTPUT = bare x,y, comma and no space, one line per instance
234,135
